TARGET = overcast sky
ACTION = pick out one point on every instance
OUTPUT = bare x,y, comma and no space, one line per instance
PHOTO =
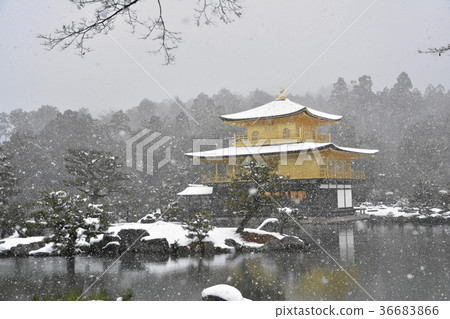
268,48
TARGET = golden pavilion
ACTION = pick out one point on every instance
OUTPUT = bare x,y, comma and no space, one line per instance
287,134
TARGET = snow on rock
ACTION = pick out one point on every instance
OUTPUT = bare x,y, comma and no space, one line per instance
176,233
268,221
151,217
13,241
173,232
384,211
389,211
196,189
46,250
222,293
96,239
111,243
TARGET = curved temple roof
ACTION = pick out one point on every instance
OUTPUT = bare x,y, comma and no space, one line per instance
278,108
276,149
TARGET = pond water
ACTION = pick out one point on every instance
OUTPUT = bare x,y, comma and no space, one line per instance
389,261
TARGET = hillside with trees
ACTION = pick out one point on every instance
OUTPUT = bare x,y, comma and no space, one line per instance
47,150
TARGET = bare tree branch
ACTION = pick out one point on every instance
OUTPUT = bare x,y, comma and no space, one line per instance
437,50
224,10
77,34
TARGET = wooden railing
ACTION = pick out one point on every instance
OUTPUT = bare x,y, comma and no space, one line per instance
323,138
213,178
220,178
344,175
239,140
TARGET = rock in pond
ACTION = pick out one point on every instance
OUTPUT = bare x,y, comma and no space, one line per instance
204,247
270,225
180,251
131,238
23,250
274,244
232,243
153,246
222,293
291,242
103,246
111,248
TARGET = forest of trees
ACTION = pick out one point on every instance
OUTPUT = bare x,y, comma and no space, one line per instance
42,150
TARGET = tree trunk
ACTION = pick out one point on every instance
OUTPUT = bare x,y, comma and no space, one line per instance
244,222
280,228
70,267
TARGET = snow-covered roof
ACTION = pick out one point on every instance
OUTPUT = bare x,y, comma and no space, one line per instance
278,108
275,149
196,189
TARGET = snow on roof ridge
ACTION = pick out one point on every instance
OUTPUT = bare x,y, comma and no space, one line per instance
272,109
273,149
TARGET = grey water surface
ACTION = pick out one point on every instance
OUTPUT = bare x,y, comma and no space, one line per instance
355,261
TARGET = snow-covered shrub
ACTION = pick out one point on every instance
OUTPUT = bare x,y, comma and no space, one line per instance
172,212
286,215
222,293
150,218
198,226
71,220
402,202
255,189
169,215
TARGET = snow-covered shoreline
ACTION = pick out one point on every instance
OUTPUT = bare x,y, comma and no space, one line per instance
170,237
170,234
399,213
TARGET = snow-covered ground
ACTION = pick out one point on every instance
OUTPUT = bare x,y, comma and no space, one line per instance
175,233
14,240
390,211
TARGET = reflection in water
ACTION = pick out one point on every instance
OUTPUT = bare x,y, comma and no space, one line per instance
347,246
392,262
326,283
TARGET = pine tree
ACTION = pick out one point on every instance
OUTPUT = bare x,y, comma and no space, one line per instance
5,126
97,174
255,188
198,226
70,218
424,195
7,190
339,96
119,125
